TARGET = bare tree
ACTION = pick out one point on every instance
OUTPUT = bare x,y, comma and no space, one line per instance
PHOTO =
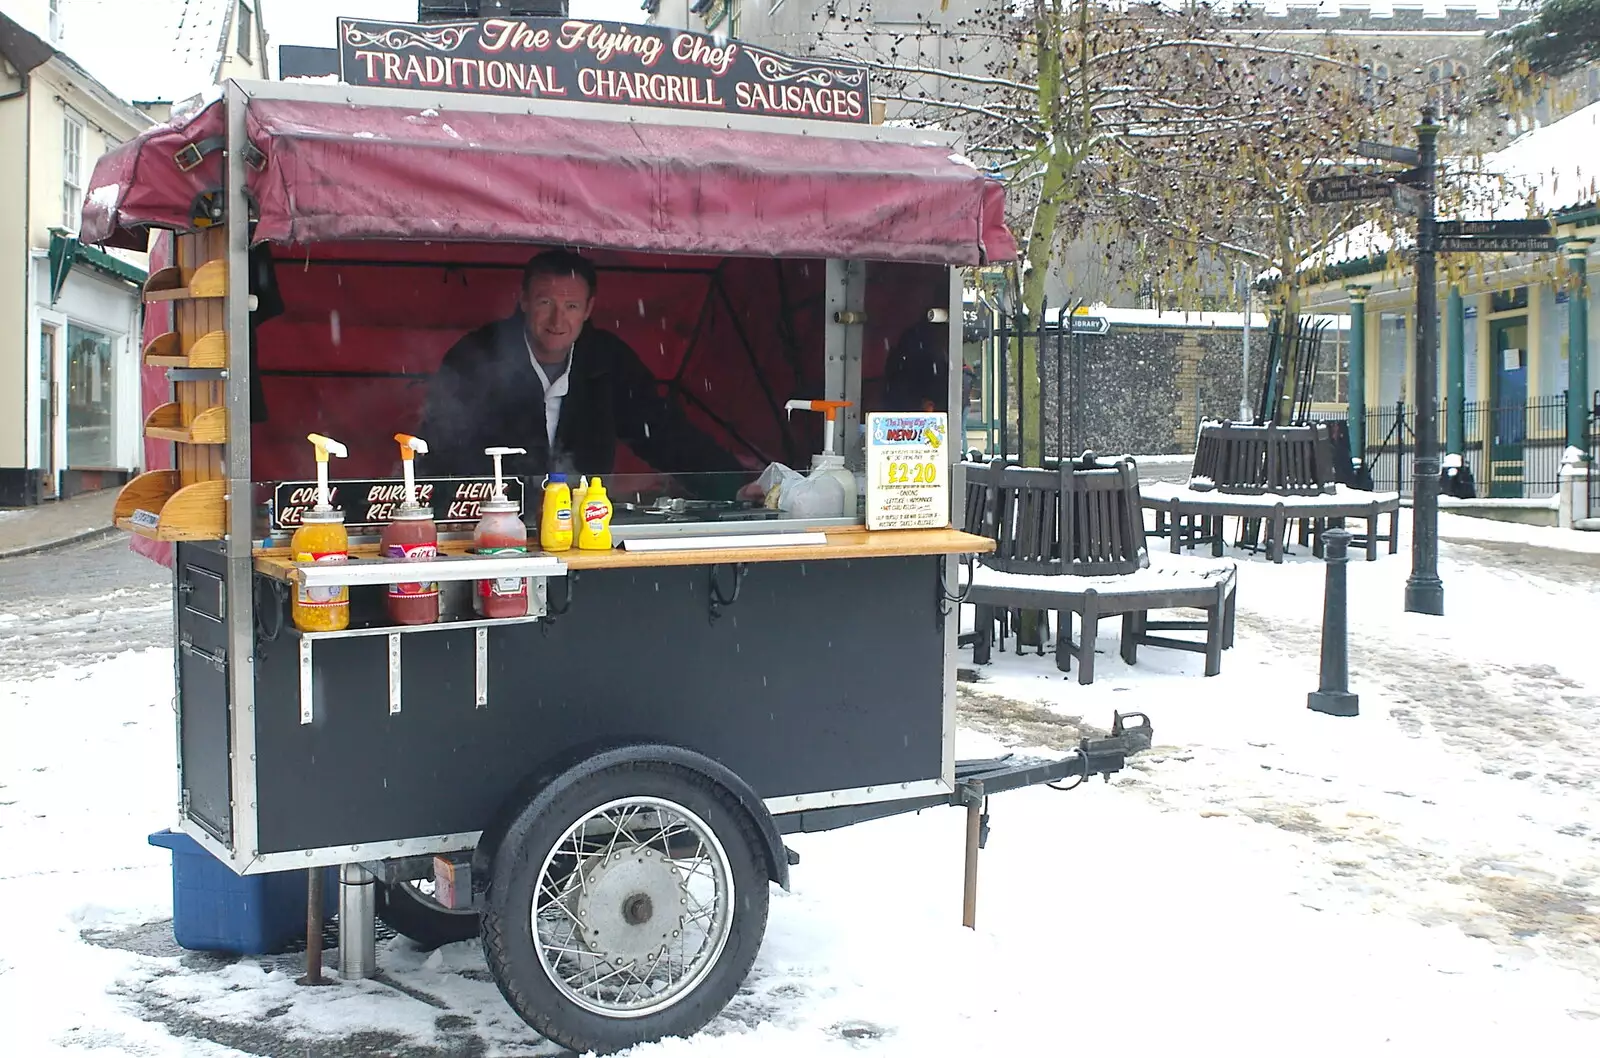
1182,136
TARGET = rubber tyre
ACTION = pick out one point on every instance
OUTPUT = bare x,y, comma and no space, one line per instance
507,929
402,910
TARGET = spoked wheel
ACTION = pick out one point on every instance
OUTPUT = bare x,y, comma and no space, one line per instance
630,908
410,909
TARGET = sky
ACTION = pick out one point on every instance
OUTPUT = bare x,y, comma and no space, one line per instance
310,22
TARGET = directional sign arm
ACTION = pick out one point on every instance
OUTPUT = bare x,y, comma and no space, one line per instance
1388,152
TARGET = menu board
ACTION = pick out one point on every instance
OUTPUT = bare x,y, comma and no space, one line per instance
908,470
370,503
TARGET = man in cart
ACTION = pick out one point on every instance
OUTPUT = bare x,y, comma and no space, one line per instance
547,380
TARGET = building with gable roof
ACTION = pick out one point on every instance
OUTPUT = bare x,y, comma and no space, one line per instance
78,78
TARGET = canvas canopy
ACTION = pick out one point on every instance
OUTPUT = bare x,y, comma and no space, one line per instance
333,171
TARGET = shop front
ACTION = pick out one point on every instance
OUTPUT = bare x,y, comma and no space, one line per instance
84,430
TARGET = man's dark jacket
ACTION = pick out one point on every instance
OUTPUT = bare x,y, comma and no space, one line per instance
486,393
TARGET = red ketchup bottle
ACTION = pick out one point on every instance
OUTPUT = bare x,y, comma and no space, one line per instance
500,531
411,536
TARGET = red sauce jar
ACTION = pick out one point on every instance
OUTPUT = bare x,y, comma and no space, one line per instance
412,537
500,531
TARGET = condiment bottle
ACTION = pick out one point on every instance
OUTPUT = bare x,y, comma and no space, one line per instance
321,537
578,494
411,536
555,516
594,534
500,532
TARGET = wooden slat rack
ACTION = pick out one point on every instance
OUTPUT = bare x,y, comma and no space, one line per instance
187,502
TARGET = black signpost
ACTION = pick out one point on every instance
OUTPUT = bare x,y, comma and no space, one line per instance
1412,192
1424,589
580,60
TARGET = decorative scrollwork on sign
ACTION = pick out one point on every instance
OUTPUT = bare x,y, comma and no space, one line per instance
446,38
779,70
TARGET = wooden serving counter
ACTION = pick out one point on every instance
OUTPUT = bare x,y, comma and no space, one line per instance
842,544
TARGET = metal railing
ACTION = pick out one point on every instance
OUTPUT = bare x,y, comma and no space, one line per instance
1594,456
1513,449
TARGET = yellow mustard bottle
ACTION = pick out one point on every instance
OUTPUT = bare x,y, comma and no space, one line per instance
555,515
321,538
594,530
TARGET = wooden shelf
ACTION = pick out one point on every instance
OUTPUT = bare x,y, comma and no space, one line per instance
154,505
210,427
210,280
208,351
845,544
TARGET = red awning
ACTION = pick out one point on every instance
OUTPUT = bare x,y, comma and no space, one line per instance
336,171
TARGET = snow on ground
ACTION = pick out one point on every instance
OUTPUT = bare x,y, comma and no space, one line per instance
1421,879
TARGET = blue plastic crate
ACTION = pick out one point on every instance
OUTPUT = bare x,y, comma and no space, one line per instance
214,909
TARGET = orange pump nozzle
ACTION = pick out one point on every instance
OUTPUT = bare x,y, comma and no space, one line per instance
409,447
829,410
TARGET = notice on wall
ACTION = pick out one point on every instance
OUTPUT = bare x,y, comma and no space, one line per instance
908,470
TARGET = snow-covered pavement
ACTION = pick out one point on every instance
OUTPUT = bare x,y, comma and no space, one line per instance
1421,879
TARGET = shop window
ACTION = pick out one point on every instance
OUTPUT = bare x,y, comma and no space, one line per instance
247,30
91,397
1333,368
71,171
1392,343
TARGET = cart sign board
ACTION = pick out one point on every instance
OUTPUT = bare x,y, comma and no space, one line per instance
600,62
370,503
908,473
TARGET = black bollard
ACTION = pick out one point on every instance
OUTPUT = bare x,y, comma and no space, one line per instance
1333,696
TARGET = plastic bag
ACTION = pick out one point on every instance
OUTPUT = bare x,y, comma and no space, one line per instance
795,494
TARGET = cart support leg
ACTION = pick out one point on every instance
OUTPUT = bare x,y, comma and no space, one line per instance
973,795
314,928
357,929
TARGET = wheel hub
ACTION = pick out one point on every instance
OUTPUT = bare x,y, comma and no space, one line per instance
632,905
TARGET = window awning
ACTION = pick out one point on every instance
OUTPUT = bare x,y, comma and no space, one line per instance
66,251
334,171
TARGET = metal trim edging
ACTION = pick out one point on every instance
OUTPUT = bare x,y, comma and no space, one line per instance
407,98
237,543
860,795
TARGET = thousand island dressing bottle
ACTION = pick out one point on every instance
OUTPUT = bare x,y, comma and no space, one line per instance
320,538
500,531
411,536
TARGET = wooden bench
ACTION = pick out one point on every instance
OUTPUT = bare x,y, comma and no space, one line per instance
1072,540
1249,460
1187,517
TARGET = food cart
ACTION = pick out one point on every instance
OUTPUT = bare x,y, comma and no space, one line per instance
601,786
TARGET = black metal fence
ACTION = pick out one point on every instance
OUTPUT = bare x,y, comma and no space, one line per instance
1513,450
1594,457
